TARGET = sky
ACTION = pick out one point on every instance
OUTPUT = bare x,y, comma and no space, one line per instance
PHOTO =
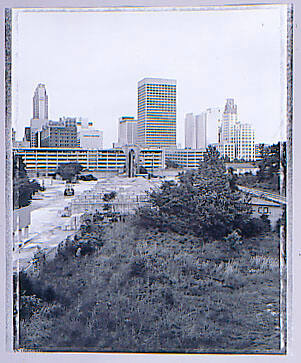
91,62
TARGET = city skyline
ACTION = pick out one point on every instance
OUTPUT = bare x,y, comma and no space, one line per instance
228,71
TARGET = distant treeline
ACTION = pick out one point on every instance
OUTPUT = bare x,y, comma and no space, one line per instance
272,164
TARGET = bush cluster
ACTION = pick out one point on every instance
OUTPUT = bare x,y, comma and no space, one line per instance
205,202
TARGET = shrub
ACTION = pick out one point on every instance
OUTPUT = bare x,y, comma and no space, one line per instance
233,240
255,226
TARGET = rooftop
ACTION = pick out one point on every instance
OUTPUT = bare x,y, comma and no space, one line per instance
157,81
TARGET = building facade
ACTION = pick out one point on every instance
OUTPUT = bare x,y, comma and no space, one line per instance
36,126
47,159
127,131
195,131
190,141
90,138
40,113
156,125
185,158
40,103
245,142
237,140
27,134
214,122
59,134
87,136
229,122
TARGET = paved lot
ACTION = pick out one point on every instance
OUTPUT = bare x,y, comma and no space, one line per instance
46,225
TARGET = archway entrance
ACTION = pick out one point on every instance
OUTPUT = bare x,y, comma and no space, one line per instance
131,164
132,160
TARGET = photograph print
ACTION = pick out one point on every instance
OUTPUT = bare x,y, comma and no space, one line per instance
149,158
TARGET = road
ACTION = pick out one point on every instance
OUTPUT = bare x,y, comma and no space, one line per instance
264,194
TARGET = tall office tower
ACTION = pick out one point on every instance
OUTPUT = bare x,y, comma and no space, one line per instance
229,122
201,130
190,140
245,142
127,131
40,103
214,122
237,139
40,113
156,125
195,131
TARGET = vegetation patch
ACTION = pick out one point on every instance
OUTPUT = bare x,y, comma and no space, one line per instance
145,291
191,273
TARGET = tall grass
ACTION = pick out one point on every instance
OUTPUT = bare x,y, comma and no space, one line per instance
148,291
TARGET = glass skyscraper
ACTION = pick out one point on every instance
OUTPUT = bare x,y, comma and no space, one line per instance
156,125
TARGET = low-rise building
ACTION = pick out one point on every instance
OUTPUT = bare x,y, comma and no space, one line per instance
45,160
87,136
185,158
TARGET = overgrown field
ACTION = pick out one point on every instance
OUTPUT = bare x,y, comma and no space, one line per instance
192,271
143,290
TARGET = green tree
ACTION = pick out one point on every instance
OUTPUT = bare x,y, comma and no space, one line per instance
273,162
68,171
23,188
202,202
171,164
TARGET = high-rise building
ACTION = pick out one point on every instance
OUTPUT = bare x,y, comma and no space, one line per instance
201,130
214,122
189,131
61,133
195,131
40,113
229,122
40,103
237,140
156,125
245,142
127,131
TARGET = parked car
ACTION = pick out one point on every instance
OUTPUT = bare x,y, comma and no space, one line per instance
87,177
69,191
